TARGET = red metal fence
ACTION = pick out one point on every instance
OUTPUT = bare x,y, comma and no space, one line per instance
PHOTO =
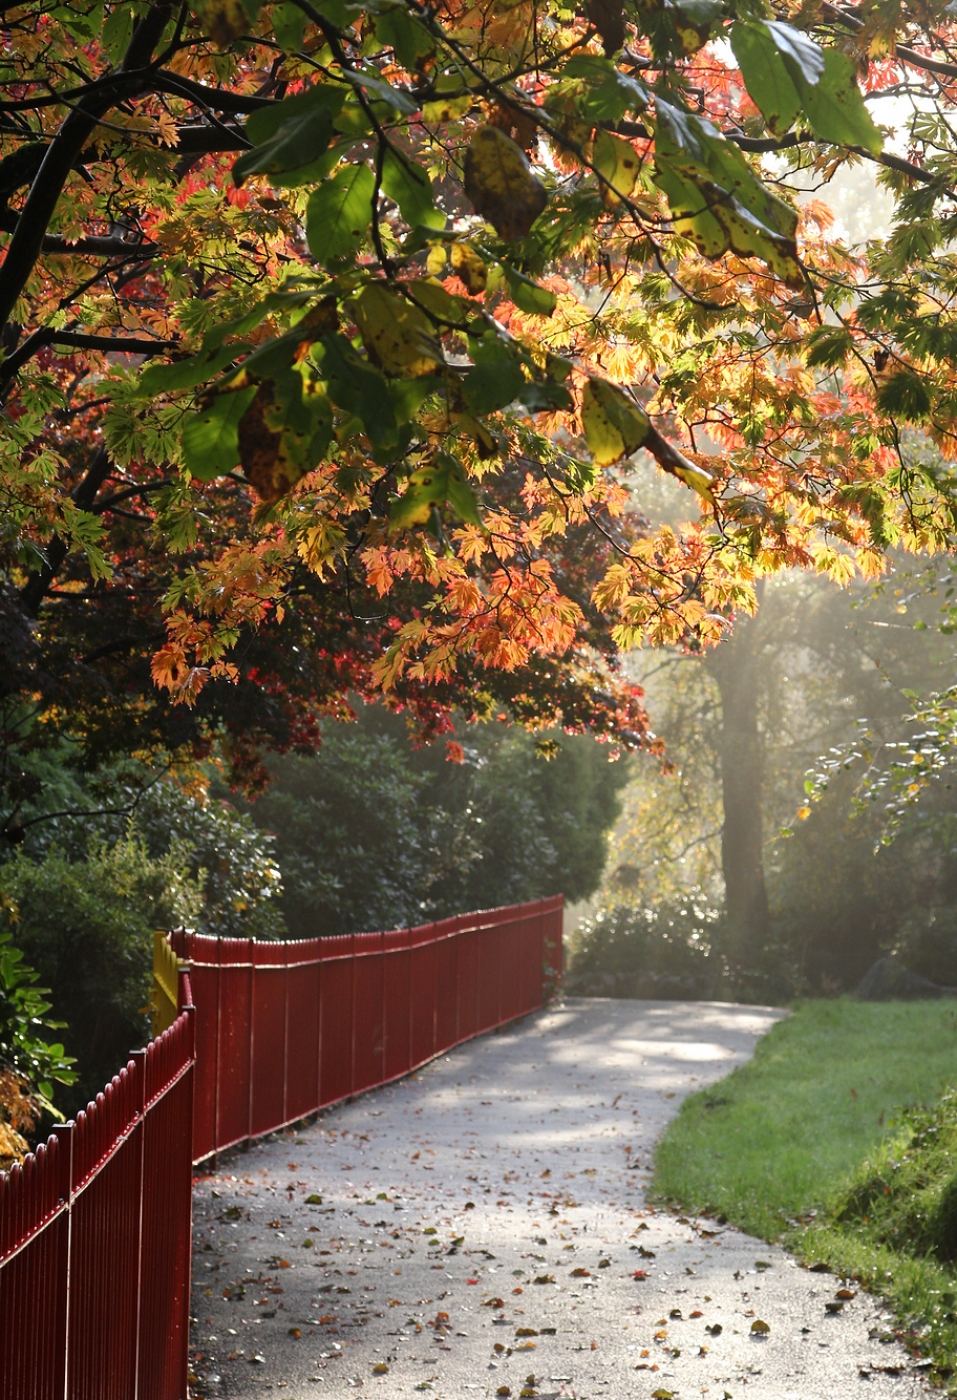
94,1241
283,1029
95,1226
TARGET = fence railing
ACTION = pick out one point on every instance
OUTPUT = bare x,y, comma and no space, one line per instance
284,1029
95,1239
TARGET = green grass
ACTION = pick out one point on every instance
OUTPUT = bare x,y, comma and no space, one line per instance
809,1144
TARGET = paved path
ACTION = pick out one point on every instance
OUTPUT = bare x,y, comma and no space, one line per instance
479,1229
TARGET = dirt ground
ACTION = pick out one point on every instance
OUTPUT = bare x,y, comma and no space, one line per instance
480,1228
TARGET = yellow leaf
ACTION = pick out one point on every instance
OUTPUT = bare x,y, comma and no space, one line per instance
224,21
500,184
617,162
472,269
613,425
397,335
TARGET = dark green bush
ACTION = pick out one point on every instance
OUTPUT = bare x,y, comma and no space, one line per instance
668,951
87,928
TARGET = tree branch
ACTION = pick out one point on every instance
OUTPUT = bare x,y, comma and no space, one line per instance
26,244
916,60
217,99
11,366
38,585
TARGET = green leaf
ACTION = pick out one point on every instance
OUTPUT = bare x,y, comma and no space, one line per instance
358,389
186,374
408,395
116,32
210,436
905,395
434,299
430,488
528,295
542,396
393,97
496,379
765,75
289,23
717,200
408,185
291,137
339,212
607,94
835,107
828,347
400,31
786,73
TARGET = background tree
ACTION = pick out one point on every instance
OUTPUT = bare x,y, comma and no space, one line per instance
374,833
837,897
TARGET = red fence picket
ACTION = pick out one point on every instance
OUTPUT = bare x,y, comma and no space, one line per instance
283,1029
94,1240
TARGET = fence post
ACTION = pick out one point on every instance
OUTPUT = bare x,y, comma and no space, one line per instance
139,1058
185,999
63,1132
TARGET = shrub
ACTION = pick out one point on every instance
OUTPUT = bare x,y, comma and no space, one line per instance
29,1065
221,850
666,951
87,927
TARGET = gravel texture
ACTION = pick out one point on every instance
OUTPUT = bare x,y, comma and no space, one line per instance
480,1228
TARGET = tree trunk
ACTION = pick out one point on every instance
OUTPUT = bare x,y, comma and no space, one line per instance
735,666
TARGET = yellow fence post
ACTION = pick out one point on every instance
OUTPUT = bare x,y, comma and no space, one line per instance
164,999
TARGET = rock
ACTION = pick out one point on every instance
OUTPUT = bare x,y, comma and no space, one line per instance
887,980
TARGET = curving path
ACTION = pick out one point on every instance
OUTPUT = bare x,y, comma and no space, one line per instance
480,1229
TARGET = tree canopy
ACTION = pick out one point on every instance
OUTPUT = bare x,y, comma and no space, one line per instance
329,330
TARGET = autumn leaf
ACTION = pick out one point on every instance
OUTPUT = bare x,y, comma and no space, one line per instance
500,184
608,18
469,266
224,20
617,162
397,334
614,426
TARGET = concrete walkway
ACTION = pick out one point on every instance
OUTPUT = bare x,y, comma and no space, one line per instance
480,1229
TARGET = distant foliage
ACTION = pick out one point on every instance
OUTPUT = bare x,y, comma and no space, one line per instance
666,951
221,850
373,833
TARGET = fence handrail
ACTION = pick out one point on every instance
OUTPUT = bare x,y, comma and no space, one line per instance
286,1028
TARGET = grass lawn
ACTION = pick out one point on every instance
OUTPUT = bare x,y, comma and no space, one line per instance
809,1144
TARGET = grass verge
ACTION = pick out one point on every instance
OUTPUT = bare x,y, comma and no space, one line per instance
839,1140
